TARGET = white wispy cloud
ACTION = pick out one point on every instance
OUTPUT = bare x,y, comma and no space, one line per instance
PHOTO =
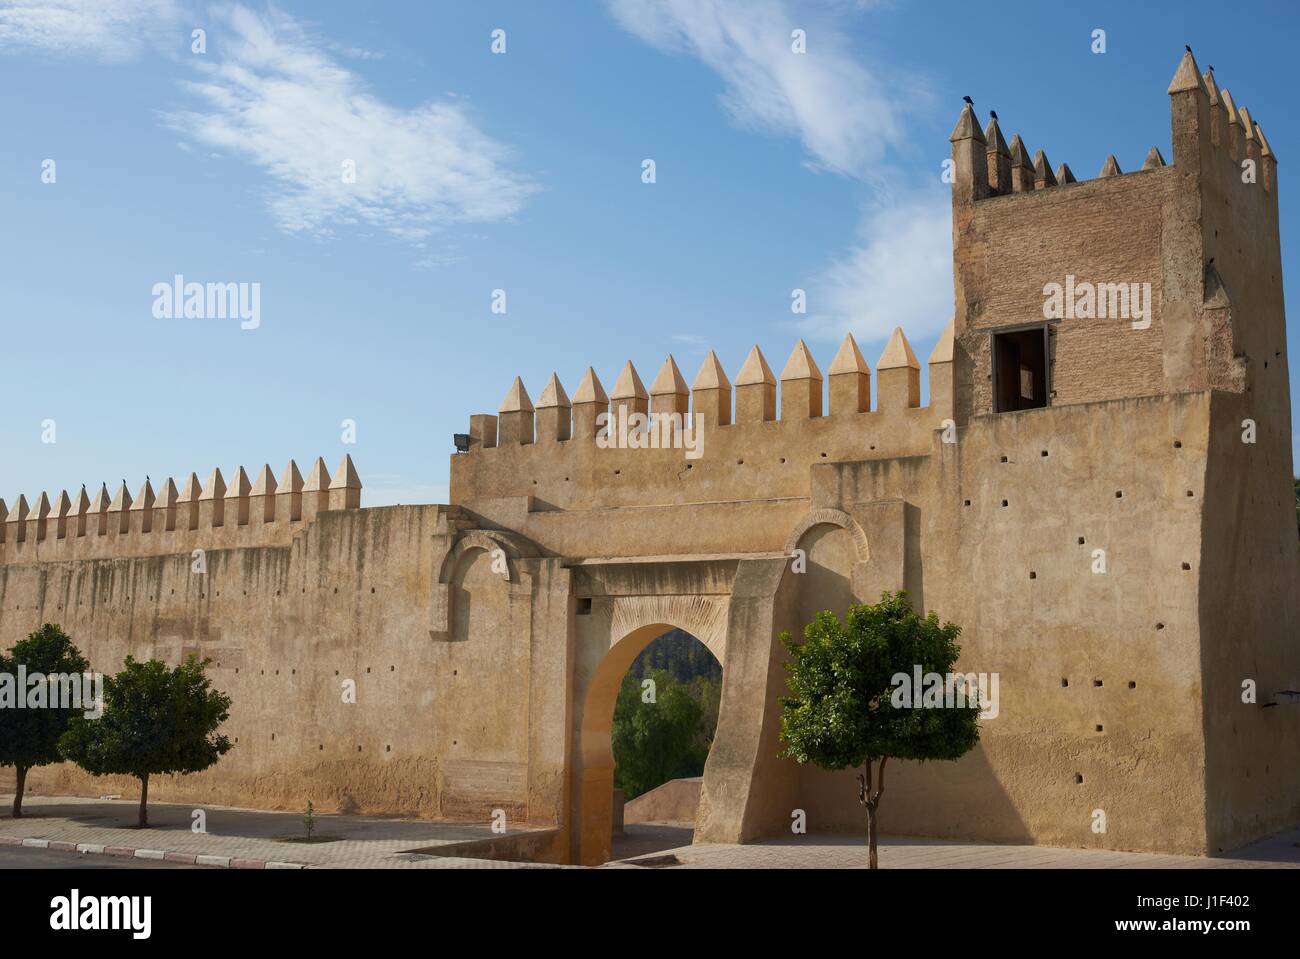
356,53
109,30
898,273
279,100
841,111
851,122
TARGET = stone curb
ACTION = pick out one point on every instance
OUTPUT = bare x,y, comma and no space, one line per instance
130,852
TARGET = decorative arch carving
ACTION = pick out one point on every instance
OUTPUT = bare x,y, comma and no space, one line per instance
830,517
486,540
513,546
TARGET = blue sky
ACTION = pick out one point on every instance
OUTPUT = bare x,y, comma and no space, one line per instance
518,171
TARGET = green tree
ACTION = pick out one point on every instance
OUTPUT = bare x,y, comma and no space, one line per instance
842,713
156,720
30,737
655,741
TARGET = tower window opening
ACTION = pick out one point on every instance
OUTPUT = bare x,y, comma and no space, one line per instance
1020,370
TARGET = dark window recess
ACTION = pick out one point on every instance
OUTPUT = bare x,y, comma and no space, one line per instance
584,606
1020,370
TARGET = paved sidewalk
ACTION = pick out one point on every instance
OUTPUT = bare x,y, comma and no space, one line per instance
247,838
241,838
850,852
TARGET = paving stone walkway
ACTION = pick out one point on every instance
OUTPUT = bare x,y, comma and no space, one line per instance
240,838
849,852
247,838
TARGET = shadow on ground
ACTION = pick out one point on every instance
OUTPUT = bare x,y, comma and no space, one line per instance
645,838
167,818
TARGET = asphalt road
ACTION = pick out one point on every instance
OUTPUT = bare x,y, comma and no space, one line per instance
24,857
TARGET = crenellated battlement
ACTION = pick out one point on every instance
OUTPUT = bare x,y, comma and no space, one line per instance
676,442
1211,133
211,515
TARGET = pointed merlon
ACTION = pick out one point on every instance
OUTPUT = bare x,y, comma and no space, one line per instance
711,375
122,501
993,137
41,509
628,386
590,390
345,487
169,495
1110,167
942,352
669,380
898,353
1043,170
19,513
1247,124
1154,160
62,505
263,494
145,499
967,128
265,484
1229,106
848,359
553,395
290,479
4,511
1065,175
192,489
1020,155
1264,148
239,485
345,477
318,480
1211,87
755,370
1187,76
801,365
215,488
850,379
102,500
516,399
81,503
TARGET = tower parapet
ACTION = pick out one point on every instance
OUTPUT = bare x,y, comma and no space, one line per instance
1136,247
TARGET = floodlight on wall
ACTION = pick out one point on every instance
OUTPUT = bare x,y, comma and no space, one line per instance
462,442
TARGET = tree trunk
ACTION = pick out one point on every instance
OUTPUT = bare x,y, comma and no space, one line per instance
871,799
872,859
144,801
18,791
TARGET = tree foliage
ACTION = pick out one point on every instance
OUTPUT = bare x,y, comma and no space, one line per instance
651,748
156,720
30,737
841,675
840,713
681,654
657,741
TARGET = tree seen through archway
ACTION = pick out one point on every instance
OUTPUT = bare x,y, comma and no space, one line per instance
663,731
